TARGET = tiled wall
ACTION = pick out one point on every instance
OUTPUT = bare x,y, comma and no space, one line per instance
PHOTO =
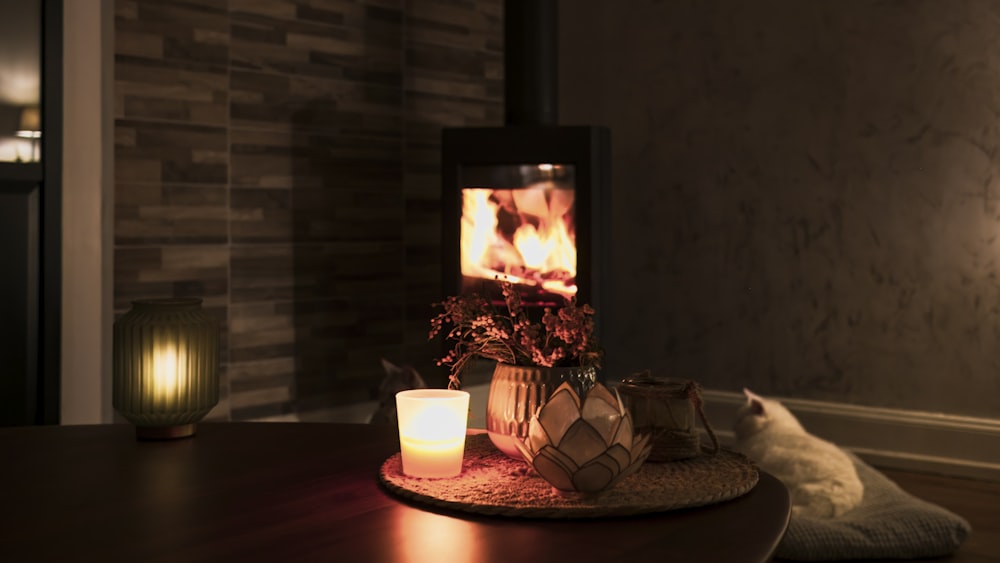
806,194
280,160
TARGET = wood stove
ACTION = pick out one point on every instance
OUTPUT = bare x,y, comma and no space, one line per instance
527,202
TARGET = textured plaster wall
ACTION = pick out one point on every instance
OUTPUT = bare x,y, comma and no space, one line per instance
806,194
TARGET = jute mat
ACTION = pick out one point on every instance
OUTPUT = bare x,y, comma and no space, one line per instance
493,484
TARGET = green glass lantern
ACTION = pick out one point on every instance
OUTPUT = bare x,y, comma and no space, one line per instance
166,366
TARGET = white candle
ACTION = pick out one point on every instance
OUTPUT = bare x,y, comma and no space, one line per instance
432,424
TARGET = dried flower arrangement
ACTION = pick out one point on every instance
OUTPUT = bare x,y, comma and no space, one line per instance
564,337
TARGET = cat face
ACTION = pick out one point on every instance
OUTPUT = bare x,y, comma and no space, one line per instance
398,379
759,413
750,418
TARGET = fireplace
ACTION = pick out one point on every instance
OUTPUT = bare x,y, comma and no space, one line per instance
527,202
521,226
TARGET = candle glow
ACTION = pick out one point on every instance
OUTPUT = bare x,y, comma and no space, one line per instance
166,377
432,425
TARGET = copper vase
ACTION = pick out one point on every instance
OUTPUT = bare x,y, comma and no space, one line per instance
517,392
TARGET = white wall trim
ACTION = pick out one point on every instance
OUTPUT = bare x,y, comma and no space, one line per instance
960,446
87,191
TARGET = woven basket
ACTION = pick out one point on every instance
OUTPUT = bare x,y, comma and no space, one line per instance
666,408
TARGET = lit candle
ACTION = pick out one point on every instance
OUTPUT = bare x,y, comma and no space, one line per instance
168,374
432,424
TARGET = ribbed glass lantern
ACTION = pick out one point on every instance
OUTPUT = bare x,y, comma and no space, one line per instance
166,366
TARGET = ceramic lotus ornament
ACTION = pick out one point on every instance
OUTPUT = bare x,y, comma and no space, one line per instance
583,447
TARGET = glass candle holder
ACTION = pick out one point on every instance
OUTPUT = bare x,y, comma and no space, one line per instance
432,426
165,366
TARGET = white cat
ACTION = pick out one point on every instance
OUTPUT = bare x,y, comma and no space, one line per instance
820,477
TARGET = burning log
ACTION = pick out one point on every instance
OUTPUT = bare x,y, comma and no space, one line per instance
525,234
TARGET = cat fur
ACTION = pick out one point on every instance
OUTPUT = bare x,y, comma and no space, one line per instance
820,477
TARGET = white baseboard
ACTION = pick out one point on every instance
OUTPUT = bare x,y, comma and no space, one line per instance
945,444
958,446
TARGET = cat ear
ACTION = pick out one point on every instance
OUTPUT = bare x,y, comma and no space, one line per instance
755,401
412,378
389,367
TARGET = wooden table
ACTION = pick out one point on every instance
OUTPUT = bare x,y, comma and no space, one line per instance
308,492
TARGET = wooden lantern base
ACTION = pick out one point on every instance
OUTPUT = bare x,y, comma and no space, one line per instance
165,432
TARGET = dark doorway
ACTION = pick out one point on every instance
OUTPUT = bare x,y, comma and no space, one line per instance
30,213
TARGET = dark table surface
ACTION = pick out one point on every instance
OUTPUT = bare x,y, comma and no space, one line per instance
308,492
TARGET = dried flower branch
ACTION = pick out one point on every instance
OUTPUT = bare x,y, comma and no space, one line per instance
564,337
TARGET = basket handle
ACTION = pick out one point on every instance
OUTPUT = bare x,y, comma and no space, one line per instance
694,395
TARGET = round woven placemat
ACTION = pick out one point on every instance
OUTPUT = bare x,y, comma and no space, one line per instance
493,484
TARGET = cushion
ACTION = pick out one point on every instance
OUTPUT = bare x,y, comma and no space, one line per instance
889,523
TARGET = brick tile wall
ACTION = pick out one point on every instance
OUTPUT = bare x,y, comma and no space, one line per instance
281,161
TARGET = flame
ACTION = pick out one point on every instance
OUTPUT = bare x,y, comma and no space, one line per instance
534,251
534,244
167,372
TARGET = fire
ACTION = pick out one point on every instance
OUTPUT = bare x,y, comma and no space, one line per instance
525,234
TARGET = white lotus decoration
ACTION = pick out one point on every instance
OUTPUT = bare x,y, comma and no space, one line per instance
583,447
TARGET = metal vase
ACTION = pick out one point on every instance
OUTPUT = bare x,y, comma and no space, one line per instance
516,394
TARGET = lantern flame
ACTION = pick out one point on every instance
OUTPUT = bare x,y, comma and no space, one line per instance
168,372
